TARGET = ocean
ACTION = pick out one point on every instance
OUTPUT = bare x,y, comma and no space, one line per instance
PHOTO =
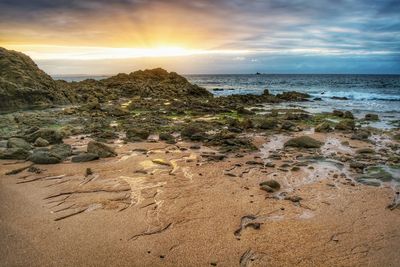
379,94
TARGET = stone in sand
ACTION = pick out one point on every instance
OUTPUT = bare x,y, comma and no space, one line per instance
85,157
44,157
270,184
303,142
14,153
15,142
40,142
62,151
161,162
101,149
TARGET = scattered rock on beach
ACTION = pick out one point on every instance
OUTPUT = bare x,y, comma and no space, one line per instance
303,142
51,135
85,157
324,127
102,150
44,157
40,142
62,151
270,186
346,125
14,153
15,142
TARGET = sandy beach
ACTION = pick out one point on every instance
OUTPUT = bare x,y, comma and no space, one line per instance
168,205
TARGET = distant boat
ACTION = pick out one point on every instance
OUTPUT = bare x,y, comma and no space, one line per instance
258,73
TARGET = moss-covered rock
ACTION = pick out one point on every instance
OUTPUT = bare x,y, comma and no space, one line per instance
100,149
303,142
324,127
346,125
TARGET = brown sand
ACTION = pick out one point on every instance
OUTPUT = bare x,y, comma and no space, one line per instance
134,212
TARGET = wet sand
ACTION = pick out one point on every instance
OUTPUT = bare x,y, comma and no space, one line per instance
168,205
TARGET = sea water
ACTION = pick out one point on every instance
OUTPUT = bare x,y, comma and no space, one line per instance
379,94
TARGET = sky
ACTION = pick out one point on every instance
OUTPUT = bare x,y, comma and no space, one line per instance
95,37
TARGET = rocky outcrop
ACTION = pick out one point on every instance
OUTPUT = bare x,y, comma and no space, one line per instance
155,83
23,84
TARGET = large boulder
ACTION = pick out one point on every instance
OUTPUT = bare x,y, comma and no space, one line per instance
15,142
44,157
303,142
62,151
50,135
100,149
14,153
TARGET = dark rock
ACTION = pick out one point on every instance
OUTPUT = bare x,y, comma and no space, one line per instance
288,126
371,117
357,165
346,125
293,198
51,135
303,142
102,150
324,127
193,132
14,153
40,142
293,96
339,98
268,123
338,113
365,151
62,151
270,184
168,138
297,116
348,115
361,135
15,142
137,135
44,157
85,157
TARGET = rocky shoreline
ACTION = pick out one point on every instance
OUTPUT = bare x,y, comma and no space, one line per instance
177,177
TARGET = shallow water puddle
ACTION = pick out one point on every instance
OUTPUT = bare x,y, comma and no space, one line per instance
274,144
334,145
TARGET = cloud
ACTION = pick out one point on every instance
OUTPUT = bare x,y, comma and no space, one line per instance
326,28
